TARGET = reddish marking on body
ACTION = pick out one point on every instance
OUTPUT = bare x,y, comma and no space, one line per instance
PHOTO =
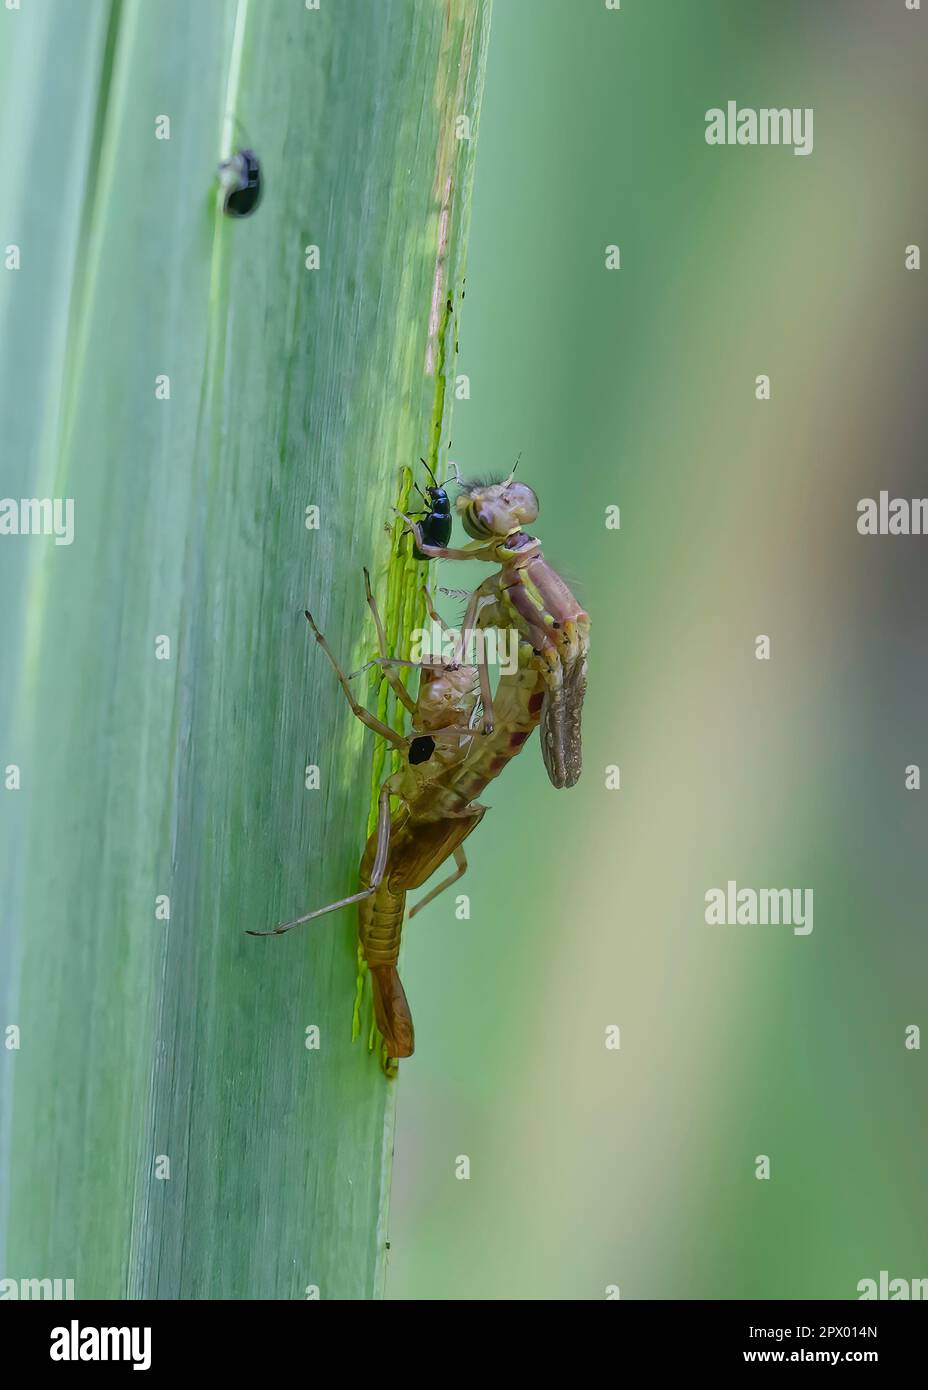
535,702
517,740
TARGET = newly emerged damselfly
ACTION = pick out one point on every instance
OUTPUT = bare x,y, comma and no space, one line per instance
526,593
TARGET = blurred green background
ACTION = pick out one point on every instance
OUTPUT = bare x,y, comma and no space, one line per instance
636,387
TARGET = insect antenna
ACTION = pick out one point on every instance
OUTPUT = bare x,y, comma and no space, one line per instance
513,473
429,471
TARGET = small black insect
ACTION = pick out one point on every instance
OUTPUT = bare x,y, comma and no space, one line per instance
240,177
421,749
436,521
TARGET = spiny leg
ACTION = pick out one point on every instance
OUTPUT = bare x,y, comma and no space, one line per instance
460,858
377,872
396,685
364,715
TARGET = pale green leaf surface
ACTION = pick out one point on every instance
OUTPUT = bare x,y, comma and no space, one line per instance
186,777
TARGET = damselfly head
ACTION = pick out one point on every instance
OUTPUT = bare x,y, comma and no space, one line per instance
240,179
489,508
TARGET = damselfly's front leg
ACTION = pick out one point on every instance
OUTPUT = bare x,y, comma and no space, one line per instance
434,552
364,715
377,871
460,858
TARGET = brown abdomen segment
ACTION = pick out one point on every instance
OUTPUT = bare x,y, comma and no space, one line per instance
380,927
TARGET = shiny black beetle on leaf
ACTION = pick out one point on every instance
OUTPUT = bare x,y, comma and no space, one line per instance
436,522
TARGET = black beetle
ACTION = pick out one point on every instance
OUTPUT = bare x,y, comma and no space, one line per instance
436,522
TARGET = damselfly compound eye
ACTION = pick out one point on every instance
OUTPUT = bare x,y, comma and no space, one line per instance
240,180
490,509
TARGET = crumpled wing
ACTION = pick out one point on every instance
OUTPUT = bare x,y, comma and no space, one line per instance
560,723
